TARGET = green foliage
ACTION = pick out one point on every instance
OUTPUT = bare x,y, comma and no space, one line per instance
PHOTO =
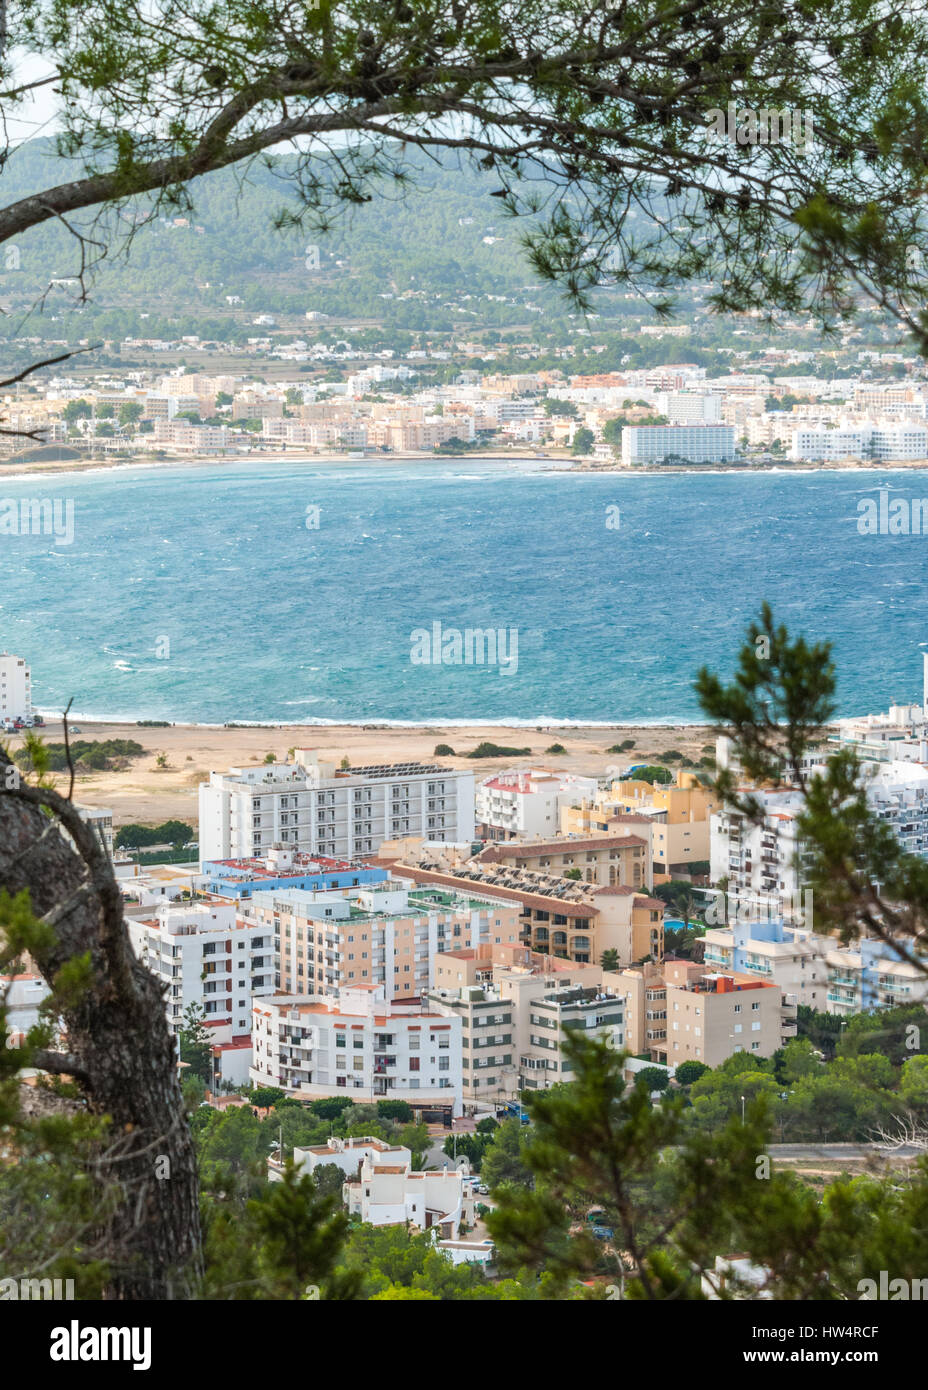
504,1162
98,754
583,441
473,1147
652,773
443,750
264,1097
396,1263
171,832
688,1072
331,1107
196,1043
396,1110
652,1079
282,1241
677,1198
193,1089
496,750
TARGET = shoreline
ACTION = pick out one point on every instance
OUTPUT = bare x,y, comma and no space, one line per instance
141,792
558,464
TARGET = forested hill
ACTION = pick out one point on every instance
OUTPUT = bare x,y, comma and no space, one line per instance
446,237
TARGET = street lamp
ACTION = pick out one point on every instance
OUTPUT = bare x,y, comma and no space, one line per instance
742,1109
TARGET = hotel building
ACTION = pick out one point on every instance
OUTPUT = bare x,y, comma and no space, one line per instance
318,809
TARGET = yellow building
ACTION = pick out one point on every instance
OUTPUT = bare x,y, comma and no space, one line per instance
679,816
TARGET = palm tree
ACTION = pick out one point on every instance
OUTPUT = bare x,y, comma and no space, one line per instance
610,959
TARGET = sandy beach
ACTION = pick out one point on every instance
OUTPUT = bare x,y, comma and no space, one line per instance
14,469
147,794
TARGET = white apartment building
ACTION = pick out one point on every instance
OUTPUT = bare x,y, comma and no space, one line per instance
887,439
15,687
897,792
205,955
689,443
525,805
318,809
690,407
759,861
197,438
314,1046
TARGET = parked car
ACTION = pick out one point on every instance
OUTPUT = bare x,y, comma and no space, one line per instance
28,721
481,1189
603,1232
74,729
38,721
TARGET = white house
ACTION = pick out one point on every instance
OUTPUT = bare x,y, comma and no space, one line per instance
522,805
392,1194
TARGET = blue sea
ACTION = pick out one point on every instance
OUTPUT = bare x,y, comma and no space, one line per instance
200,594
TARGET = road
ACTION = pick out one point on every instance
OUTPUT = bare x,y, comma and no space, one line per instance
837,1151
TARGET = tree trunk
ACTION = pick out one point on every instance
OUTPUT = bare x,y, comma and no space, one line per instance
118,1043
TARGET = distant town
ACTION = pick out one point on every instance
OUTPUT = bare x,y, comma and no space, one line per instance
675,415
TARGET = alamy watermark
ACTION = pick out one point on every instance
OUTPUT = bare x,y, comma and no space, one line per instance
726,908
893,1290
38,516
35,1290
474,646
892,517
766,126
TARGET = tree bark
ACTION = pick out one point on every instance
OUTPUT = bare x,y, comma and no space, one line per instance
118,1035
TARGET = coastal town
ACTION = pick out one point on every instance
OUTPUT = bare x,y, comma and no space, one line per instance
463,674
418,937
758,414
